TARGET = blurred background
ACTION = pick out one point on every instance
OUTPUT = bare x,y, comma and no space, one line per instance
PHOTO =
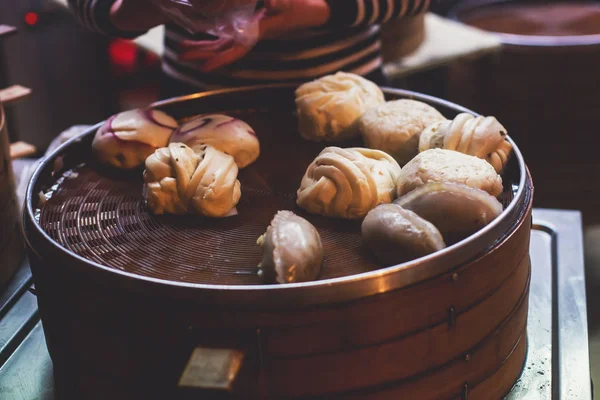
533,67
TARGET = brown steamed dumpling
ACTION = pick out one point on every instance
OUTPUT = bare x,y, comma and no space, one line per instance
292,250
396,235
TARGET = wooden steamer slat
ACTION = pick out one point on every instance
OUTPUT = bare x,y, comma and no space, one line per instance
405,357
472,368
502,381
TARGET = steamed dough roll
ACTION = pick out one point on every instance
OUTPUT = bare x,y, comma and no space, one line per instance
329,107
180,180
482,137
347,183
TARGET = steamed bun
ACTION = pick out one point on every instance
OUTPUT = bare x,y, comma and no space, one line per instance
395,127
396,235
347,183
227,134
180,180
126,139
482,137
328,107
438,165
292,250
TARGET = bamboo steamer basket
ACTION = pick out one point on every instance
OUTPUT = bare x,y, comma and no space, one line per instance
137,306
544,85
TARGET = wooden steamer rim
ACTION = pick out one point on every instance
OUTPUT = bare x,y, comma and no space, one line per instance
281,296
530,42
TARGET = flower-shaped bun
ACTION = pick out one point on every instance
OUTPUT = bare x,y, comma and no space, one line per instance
482,137
180,180
347,183
227,134
126,139
329,106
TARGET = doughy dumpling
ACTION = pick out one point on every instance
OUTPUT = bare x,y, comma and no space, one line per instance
180,180
292,250
347,183
328,107
125,140
396,235
395,127
482,137
227,134
438,165
457,210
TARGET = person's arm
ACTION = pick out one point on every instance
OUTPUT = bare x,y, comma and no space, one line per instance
120,18
351,13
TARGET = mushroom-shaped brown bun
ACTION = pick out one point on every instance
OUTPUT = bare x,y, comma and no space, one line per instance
329,106
395,127
180,180
457,210
347,183
438,165
227,134
125,140
292,250
396,235
482,137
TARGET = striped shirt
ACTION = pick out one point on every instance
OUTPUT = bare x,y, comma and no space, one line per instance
349,41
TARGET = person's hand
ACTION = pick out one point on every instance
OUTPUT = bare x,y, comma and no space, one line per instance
285,16
278,18
136,15
211,8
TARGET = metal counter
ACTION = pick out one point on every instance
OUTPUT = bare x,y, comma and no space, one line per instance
557,366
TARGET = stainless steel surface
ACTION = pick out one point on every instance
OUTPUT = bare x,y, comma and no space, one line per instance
27,375
274,296
557,366
569,308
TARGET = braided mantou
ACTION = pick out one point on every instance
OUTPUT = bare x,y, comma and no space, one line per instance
347,183
482,137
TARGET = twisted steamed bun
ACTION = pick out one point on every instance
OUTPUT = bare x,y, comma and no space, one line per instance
328,107
347,183
180,180
482,137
